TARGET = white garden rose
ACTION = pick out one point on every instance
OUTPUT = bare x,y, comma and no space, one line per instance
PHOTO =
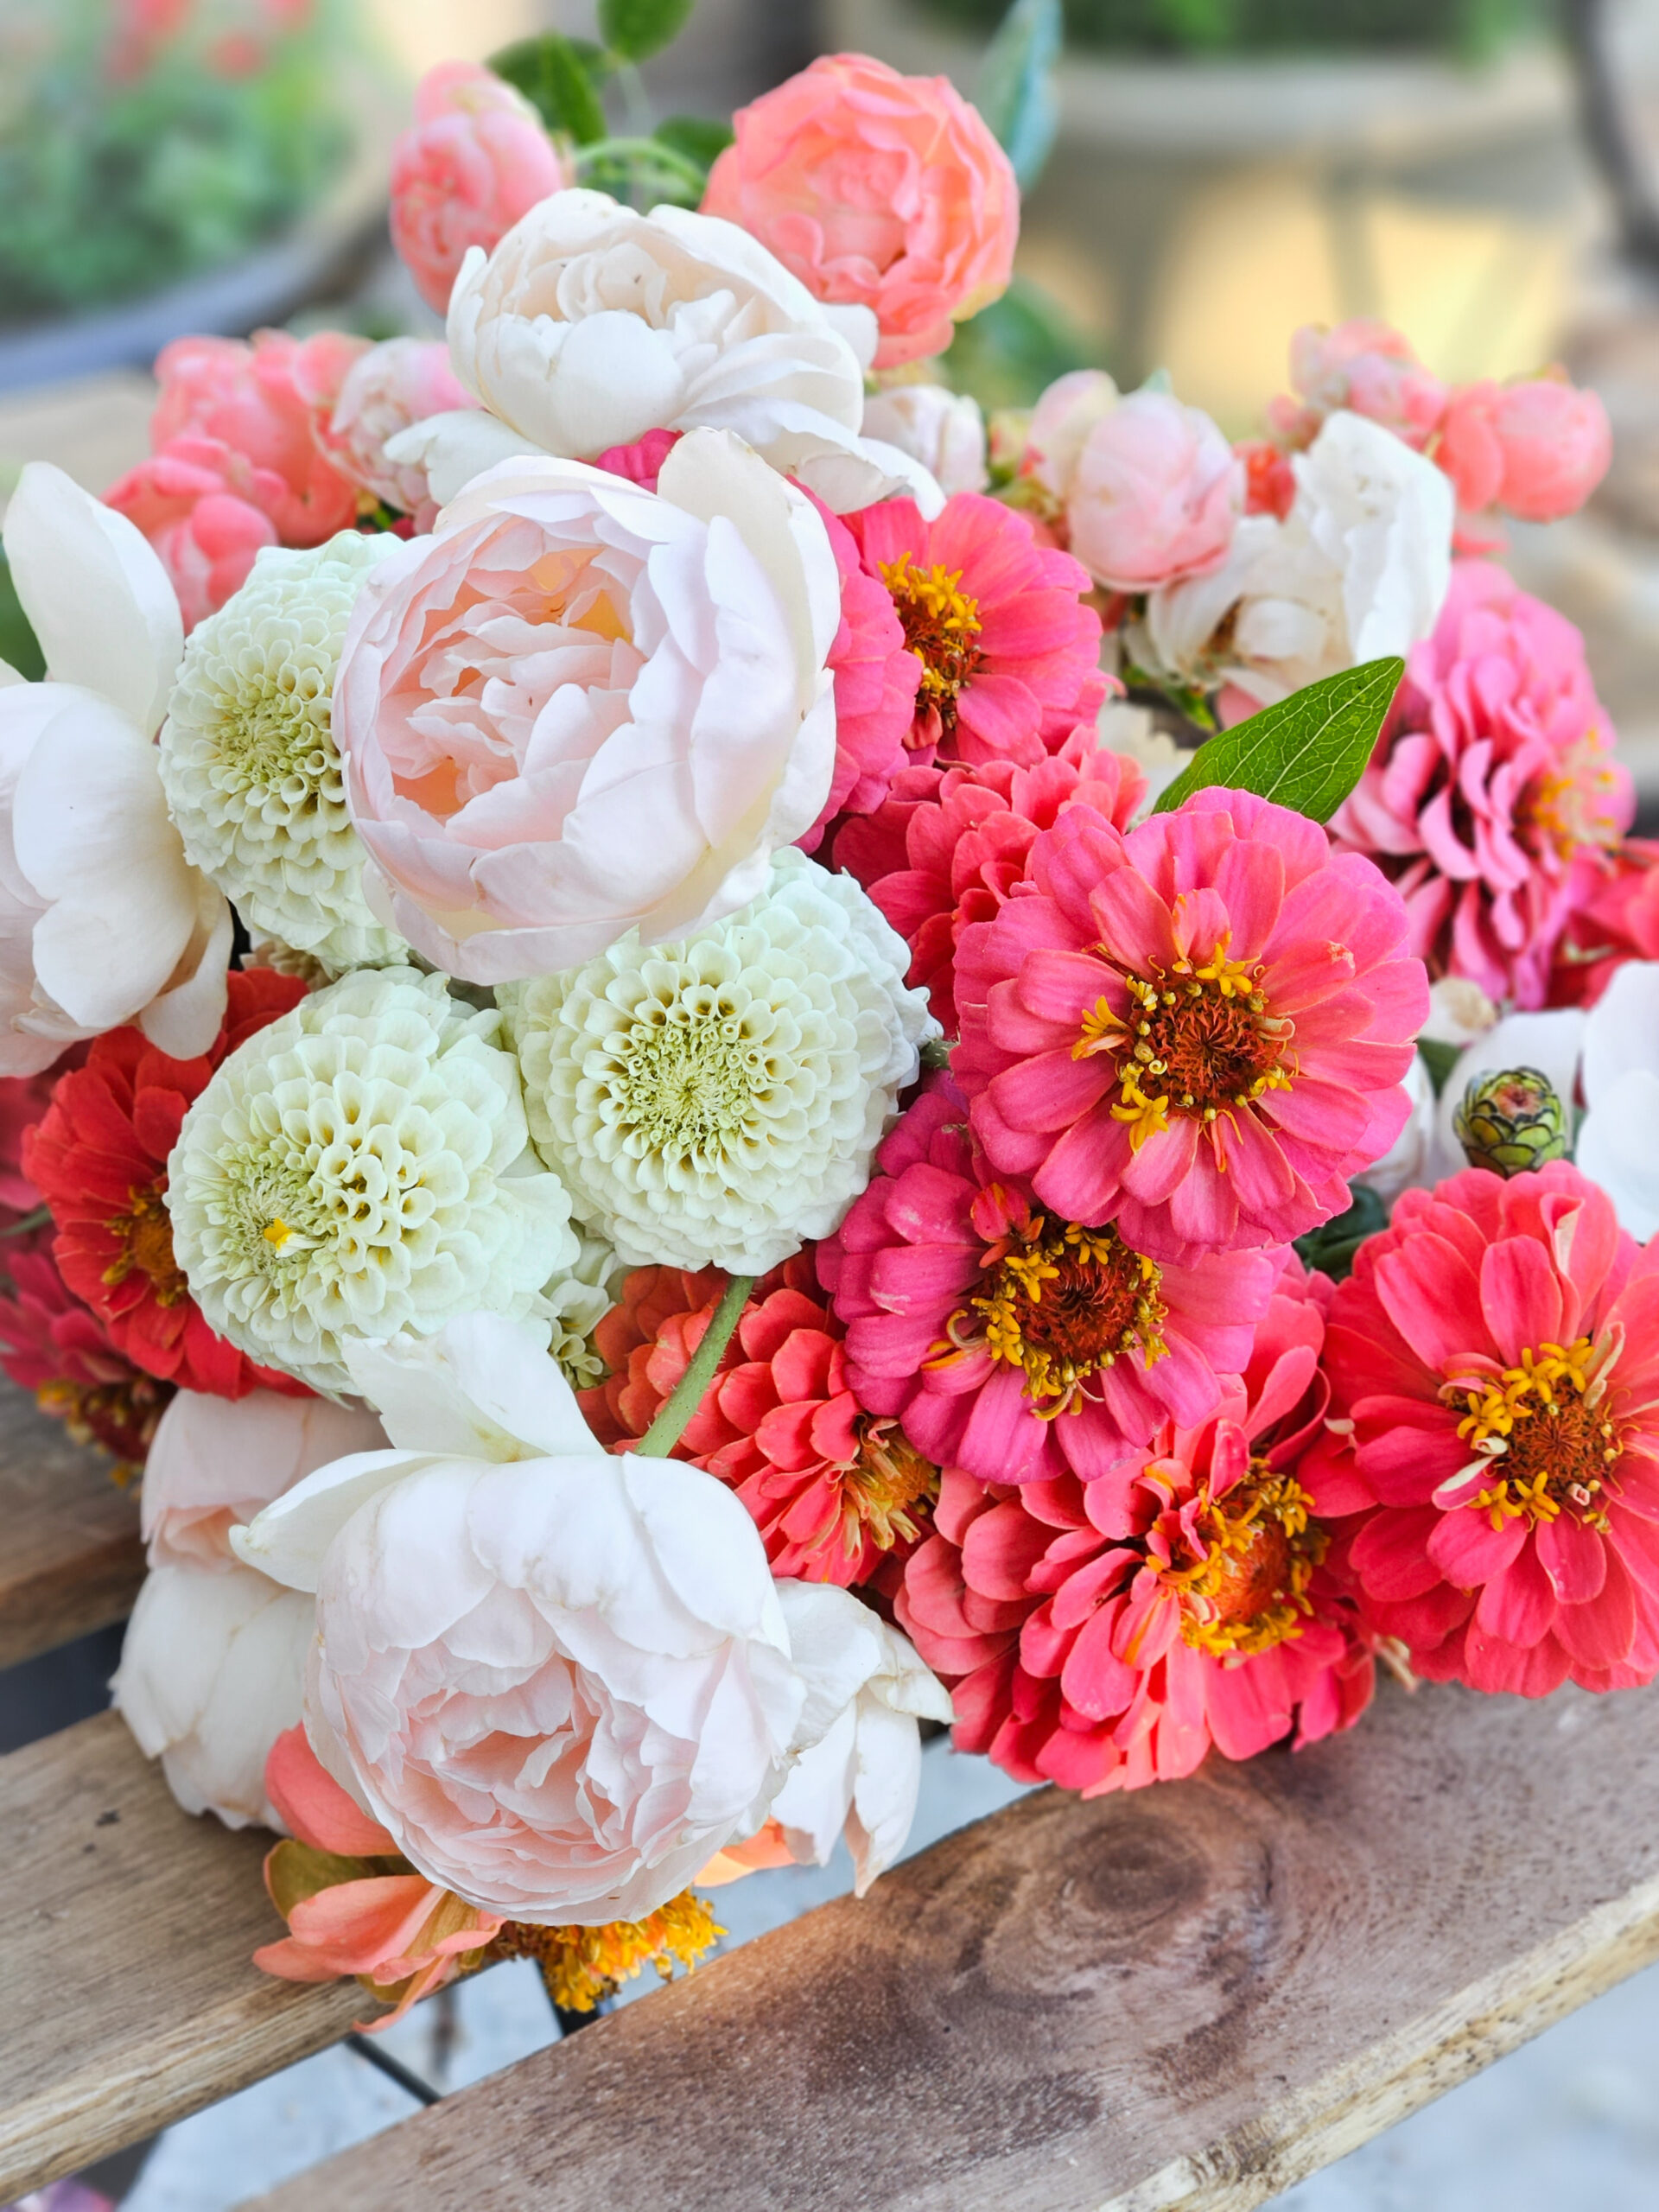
1358,570
717,1100
359,1167
1617,1146
248,759
215,1462
103,919
943,429
590,324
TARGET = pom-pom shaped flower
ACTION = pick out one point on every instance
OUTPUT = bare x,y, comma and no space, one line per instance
101,1158
1494,796
53,1345
1104,1634
878,190
253,778
1497,1351
359,1168
718,1099
833,1490
1013,1342
1197,1032
947,846
476,160
582,706
1009,653
393,385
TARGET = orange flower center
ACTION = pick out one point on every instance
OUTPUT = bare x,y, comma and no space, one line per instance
1198,1041
92,1412
1573,805
145,1232
1544,1431
1064,1303
941,622
887,1491
1246,1589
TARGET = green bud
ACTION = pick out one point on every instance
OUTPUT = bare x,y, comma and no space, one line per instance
1512,1121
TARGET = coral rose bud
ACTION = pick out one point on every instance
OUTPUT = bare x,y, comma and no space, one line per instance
1556,443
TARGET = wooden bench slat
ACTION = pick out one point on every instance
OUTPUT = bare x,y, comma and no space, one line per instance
126,1929
70,1558
1186,1997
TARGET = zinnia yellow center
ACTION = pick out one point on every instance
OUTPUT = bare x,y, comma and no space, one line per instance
941,622
1198,1040
887,1490
145,1231
1544,1428
1249,1592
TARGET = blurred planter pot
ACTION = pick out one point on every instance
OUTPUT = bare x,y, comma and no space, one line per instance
274,278
1168,175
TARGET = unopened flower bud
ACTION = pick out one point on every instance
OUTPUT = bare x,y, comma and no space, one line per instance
1512,1121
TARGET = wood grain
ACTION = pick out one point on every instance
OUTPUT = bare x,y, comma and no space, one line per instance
70,1558
126,1930
1187,1998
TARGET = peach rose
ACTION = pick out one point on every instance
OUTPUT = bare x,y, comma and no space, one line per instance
582,707
878,191
1537,449
391,386
476,160
205,511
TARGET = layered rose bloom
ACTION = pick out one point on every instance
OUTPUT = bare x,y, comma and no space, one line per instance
476,159
947,846
100,1159
1105,1634
1151,491
1493,798
1009,653
1536,449
392,385
1018,1345
1497,1351
878,191
582,708
206,510
1197,1032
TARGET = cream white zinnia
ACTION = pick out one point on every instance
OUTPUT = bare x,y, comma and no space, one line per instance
360,1167
103,919
581,708
717,1100
1358,570
563,1679
248,757
590,324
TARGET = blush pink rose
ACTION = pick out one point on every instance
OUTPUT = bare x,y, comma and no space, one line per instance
476,160
387,389
204,510
877,191
1369,368
1156,494
1537,449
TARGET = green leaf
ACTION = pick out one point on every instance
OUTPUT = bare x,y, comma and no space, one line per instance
635,28
700,138
1439,1059
1307,753
1332,1247
1014,91
18,640
560,78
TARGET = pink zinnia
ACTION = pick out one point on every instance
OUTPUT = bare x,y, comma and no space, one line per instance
1009,650
1493,796
1618,922
1497,1351
1011,1343
1104,1634
947,845
1197,1032
53,1345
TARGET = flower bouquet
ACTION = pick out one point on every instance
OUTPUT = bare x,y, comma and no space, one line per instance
682,1143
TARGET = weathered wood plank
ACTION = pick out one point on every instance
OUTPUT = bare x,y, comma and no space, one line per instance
1188,1998
70,1558
125,1927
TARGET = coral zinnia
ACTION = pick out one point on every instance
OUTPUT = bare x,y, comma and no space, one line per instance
833,1490
1497,1351
1493,796
53,1345
1197,1032
1012,1343
1009,650
1104,1634
100,1157
947,845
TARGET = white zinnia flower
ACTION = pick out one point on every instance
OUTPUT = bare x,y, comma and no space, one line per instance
580,1300
248,759
716,1102
103,920
1358,569
359,1167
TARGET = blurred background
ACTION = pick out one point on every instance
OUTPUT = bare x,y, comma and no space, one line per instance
1483,173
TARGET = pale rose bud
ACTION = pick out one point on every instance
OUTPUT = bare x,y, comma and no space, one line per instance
476,160
1058,427
391,386
1367,367
216,1462
1157,494
943,429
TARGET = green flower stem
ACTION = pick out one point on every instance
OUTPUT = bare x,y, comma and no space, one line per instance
666,1431
38,1219
643,155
